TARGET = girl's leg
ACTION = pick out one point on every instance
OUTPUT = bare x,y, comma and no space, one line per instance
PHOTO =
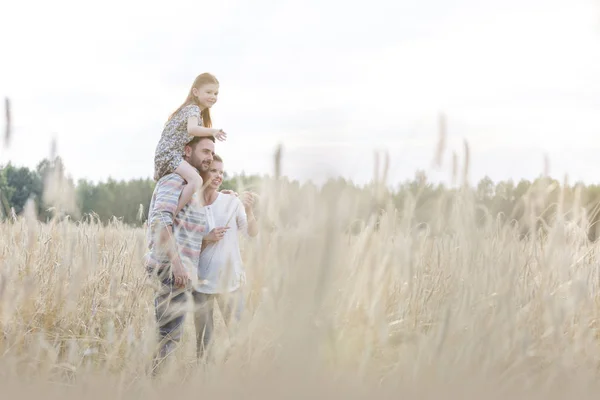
194,183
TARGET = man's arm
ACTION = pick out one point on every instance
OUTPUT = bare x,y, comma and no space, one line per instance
165,204
167,242
166,198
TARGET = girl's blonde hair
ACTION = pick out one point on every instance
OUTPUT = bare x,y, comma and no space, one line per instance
202,79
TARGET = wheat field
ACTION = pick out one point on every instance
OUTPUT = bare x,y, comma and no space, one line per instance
389,309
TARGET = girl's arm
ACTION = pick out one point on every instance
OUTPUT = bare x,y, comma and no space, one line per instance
196,130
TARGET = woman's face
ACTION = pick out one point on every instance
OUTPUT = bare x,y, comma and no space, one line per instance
214,176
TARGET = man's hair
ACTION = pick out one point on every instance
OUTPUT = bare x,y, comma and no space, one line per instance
192,143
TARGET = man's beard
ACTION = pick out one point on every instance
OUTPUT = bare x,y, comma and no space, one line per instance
201,166
204,166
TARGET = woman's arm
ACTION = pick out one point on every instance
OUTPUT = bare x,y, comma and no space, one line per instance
252,224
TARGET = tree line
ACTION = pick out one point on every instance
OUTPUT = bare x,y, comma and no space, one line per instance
128,201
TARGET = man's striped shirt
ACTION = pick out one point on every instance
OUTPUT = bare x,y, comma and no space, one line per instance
189,226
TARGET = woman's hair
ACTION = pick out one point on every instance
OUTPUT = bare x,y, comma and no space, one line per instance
202,79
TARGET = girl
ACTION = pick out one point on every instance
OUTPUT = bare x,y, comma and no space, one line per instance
191,119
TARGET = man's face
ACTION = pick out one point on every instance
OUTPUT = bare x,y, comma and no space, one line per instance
201,155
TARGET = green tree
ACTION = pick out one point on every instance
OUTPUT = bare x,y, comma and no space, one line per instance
21,184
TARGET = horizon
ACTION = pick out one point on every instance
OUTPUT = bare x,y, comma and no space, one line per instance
447,183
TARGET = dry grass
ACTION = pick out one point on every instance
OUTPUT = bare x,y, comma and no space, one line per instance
461,309
386,311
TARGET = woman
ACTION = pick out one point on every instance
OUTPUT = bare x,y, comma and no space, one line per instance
220,270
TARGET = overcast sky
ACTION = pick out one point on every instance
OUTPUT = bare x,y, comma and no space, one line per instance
332,80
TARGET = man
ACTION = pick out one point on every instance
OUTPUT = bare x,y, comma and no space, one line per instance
174,245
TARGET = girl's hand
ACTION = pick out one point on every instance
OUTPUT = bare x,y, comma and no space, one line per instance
216,234
220,135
